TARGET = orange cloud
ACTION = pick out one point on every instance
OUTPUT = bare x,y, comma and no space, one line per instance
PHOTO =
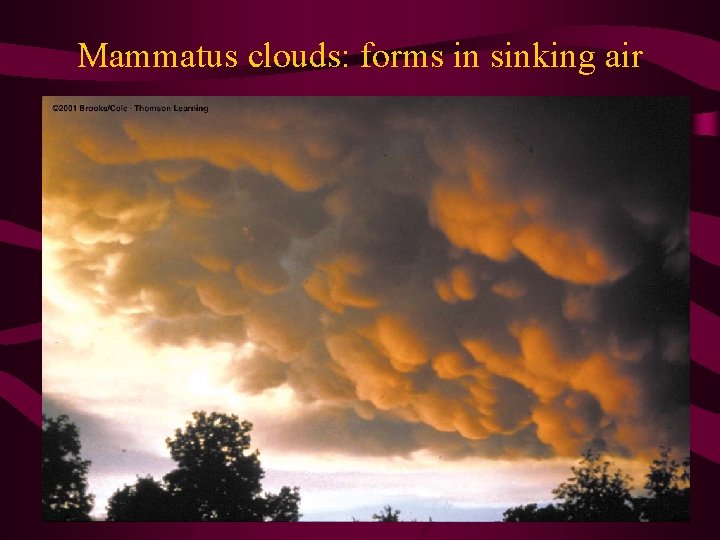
173,171
335,285
542,368
222,295
375,380
616,393
452,365
471,218
459,285
213,263
191,201
566,254
560,430
264,278
400,342
450,416
479,217
378,380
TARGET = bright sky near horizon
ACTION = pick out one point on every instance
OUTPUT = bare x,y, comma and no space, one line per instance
431,303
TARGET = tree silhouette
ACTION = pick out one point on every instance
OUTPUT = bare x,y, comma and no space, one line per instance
217,478
146,500
64,472
387,514
668,488
531,512
283,506
594,493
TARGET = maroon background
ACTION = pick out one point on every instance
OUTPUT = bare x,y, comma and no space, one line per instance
44,64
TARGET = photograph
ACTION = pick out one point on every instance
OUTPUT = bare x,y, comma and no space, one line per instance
365,309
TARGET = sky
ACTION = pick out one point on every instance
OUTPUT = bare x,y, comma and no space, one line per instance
434,303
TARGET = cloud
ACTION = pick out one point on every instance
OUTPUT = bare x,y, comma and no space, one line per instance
474,215
472,276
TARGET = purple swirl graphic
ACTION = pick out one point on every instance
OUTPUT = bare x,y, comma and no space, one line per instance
21,334
706,124
705,433
687,55
703,338
703,241
22,397
11,233
703,387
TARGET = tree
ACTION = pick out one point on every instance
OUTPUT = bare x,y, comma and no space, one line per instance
217,478
531,512
668,488
146,500
387,514
593,493
64,472
283,506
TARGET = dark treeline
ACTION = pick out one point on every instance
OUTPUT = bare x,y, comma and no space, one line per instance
596,493
218,478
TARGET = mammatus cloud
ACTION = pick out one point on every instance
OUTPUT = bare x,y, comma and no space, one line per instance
475,216
474,277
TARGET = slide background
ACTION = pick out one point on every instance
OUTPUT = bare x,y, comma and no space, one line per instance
38,56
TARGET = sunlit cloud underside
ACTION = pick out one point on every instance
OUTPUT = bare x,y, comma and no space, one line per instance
403,288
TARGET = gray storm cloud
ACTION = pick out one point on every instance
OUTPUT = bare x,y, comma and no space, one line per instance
498,277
